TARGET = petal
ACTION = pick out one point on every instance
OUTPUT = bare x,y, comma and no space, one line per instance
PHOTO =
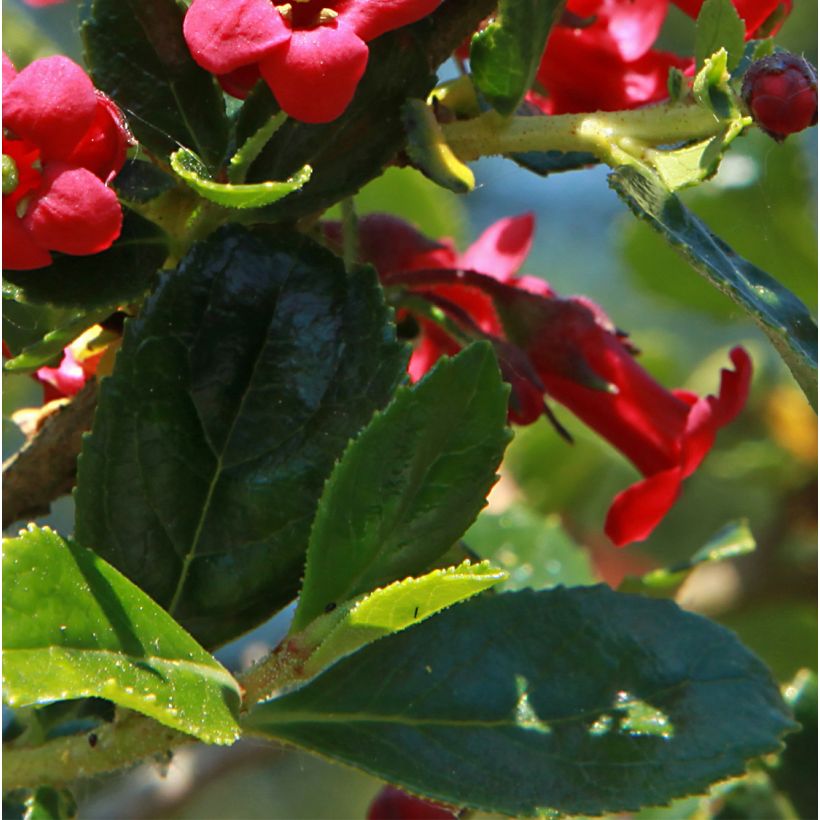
20,250
73,212
9,71
103,147
753,12
501,250
314,76
62,381
636,511
391,244
632,26
371,19
734,387
51,103
224,35
239,82
433,344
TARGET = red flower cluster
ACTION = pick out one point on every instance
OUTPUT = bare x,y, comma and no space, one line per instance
312,53
62,142
600,57
565,348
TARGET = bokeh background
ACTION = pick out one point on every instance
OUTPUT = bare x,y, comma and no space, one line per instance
545,517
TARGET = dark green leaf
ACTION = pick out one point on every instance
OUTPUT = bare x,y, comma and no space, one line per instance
47,803
580,700
719,26
140,182
534,549
74,627
136,54
234,393
26,325
504,56
782,316
795,773
117,276
410,484
353,149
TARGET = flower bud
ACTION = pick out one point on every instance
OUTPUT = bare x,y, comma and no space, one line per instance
781,93
393,804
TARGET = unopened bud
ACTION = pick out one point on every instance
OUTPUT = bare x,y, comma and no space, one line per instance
781,93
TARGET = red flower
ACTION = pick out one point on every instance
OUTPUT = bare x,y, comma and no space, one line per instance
69,377
394,804
600,56
565,348
606,61
312,53
62,141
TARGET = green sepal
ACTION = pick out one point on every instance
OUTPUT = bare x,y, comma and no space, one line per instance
430,153
712,89
719,27
192,171
75,627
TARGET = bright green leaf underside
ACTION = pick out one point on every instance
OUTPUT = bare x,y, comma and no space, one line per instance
190,168
74,627
583,701
403,604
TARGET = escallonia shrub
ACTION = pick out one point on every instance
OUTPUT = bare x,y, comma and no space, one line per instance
267,401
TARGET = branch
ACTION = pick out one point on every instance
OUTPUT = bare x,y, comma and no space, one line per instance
46,466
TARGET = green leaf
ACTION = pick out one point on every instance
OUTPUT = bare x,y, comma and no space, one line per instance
781,315
193,172
75,627
719,26
136,54
139,182
47,803
505,55
395,607
536,550
114,277
581,701
410,484
712,89
235,391
733,540
355,148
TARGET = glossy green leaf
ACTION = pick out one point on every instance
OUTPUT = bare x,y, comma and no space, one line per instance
782,316
733,540
582,701
235,391
74,627
188,166
410,484
139,182
719,26
119,275
535,550
136,54
395,607
505,55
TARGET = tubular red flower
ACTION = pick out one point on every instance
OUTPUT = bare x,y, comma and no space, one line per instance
564,348
312,53
66,141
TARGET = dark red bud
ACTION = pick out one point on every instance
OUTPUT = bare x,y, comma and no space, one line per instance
781,93
394,804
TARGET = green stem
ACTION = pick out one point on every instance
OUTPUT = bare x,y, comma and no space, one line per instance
350,234
612,136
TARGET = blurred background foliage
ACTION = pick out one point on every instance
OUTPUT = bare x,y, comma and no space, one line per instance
544,522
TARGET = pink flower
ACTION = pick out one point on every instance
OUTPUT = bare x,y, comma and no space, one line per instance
564,348
69,377
312,53
62,142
